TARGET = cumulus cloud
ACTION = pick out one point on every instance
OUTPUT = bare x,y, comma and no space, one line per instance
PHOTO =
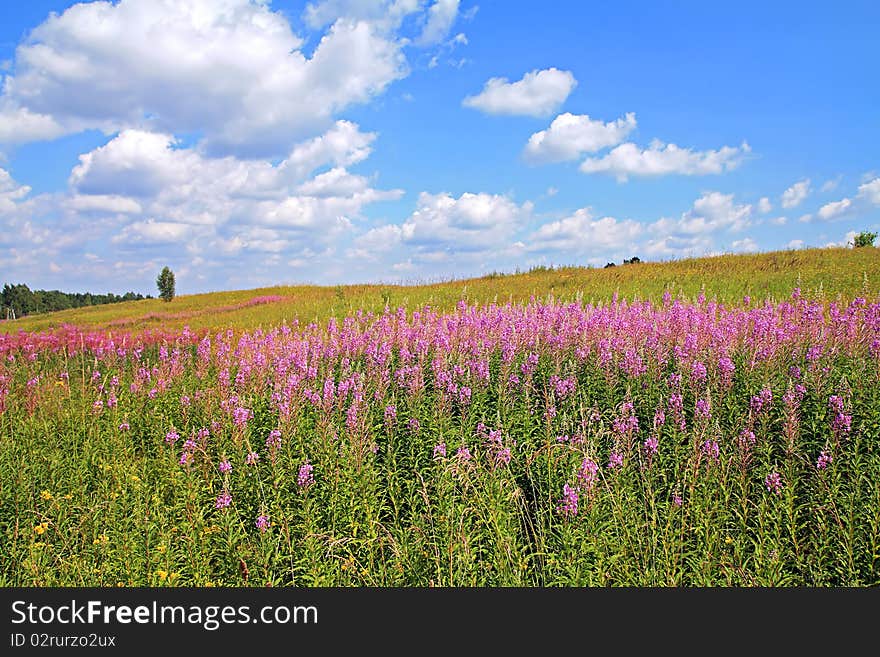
440,19
472,221
794,195
582,233
870,191
570,136
165,188
11,193
665,159
835,209
538,93
764,205
745,245
795,244
442,226
232,70
711,213
18,125
385,13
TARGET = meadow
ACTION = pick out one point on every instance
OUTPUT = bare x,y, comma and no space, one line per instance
833,273
711,423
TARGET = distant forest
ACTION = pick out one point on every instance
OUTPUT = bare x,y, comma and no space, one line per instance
21,300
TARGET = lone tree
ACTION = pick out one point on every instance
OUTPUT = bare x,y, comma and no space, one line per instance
165,283
864,239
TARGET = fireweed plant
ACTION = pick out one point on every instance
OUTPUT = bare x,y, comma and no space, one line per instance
542,444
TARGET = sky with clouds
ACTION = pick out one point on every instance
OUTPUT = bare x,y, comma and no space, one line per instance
247,143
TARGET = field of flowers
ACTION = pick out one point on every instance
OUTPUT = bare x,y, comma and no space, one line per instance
681,442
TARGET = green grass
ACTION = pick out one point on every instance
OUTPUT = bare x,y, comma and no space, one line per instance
85,503
828,273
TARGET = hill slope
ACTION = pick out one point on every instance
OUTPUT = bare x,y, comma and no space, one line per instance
829,272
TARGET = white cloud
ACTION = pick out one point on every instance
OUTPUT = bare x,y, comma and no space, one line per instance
795,244
104,203
538,93
794,195
745,245
764,205
835,209
870,191
582,233
154,232
570,136
779,221
441,17
830,185
443,227
142,191
805,218
18,125
11,193
712,212
233,70
664,159
470,222
385,13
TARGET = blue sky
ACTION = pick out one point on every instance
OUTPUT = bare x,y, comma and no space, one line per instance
248,143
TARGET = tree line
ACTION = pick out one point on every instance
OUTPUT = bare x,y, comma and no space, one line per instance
21,300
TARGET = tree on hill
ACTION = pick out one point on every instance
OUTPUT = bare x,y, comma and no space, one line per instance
165,283
864,239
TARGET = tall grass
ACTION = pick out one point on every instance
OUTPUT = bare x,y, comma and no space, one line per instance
668,443
823,273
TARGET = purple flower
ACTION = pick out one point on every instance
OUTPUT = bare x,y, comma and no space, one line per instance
676,499
502,456
615,460
224,499
824,460
172,437
762,400
588,473
568,505
463,454
413,424
304,477
698,372
440,450
746,438
274,439
240,416
252,458
711,449
125,426
262,522
773,482
390,414
650,446
225,466
703,410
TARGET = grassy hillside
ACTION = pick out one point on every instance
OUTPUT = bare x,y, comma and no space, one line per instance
828,272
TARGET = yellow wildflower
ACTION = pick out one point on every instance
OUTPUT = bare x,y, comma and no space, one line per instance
46,495
161,549
163,575
41,528
101,540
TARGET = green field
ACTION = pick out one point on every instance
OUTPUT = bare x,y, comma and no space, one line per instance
680,435
827,273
